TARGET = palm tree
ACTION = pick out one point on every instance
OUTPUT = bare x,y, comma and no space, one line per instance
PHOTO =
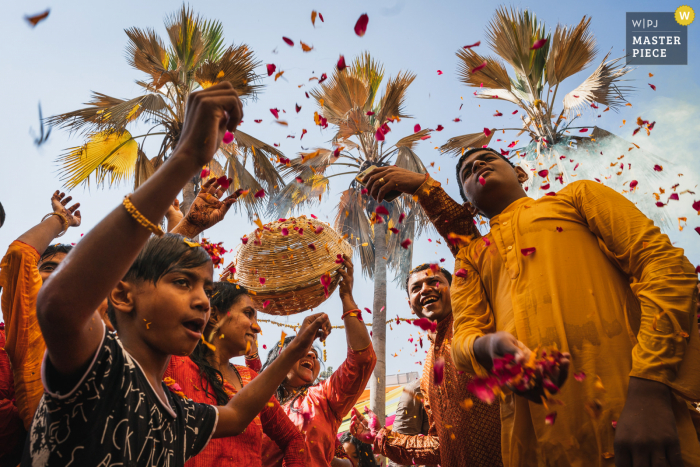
349,100
196,58
540,62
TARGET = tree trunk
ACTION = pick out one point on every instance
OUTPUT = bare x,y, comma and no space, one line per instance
377,385
188,196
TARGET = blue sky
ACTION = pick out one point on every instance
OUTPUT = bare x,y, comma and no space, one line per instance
80,48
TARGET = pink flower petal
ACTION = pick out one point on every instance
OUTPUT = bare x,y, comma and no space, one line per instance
223,182
265,303
341,63
543,173
285,231
204,174
402,217
297,107
550,418
361,25
633,184
527,251
482,180
674,196
416,128
580,376
288,41
382,210
439,128
378,135
271,69
244,240
275,112
439,72
318,230
475,44
439,371
583,130
538,44
658,168
461,273
487,132
261,280
405,244
260,194
228,138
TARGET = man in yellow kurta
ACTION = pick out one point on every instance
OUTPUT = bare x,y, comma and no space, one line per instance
586,271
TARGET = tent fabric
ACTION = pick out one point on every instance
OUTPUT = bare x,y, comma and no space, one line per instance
393,394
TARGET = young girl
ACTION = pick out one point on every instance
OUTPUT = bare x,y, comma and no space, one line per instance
359,453
207,376
318,410
105,403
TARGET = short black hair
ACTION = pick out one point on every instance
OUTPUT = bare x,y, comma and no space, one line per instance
2,215
365,454
160,256
53,250
469,153
423,267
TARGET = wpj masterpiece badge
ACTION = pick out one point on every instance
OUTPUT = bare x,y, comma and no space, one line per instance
656,39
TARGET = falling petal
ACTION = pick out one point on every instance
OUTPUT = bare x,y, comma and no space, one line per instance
439,72
416,128
439,371
228,138
223,182
479,67
297,107
288,41
260,194
475,44
407,242
265,303
341,63
306,47
402,216
285,231
543,173
652,86
312,246
461,273
580,376
318,230
633,184
658,168
550,418
204,173
275,112
487,132
482,180
271,69
439,128
361,25
538,44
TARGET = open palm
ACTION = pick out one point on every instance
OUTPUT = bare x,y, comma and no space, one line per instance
58,204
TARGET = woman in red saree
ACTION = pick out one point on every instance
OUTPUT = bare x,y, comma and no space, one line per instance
318,410
207,376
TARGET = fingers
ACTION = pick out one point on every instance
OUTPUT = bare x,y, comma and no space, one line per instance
78,216
220,190
384,190
73,208
176,203
358,414
207,186
66,200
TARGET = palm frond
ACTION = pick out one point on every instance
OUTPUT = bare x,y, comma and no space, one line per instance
572,50
355,122
351,220
245,180
371,72
501,94
236,65
601,86
143,170
110,155
186,41
394,96
146,52
341,94
457,145
213,35
263,154
295,196
494,75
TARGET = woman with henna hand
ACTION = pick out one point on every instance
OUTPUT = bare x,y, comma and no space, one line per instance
318,410
207,376
206,211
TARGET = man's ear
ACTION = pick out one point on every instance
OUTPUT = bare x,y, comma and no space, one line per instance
522,175
122,297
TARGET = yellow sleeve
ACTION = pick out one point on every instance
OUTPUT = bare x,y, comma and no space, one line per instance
661,277
472,315
20,282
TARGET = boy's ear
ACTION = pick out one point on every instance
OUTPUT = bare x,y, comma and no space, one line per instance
122,297
522,175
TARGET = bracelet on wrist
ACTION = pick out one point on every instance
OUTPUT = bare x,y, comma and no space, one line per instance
140,218
63,219
356,312
252,357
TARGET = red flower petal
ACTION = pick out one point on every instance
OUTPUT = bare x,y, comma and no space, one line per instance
369,113
559,229
382,210
285,231
479,67
482,180
580,376
416,128
312,246
439,128
504,152
407,242
320,16
475,44
318,230
425,324
487,132
543,173
204,174
674,196
223,182
652,86
298,107
262,281
696,205
583,130
265,303
364,191
538,44
550,418
271,67
260,194
258,121
658,168
527,251
323,78
457,120
461,273
336,152
275,112
402,216
361,25
697,229
341,63
313,216
288,41
633,184
439,371
514,112
439,72
379,136
244,240
228,138
545,187
423,138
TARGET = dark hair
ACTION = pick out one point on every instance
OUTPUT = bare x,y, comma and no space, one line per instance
53,250
364,450
469,153
224,296
423,267
2,215
281,392
158,257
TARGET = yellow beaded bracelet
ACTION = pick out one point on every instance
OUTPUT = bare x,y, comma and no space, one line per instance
140,218
64,221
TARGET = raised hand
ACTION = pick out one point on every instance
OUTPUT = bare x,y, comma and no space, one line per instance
365,431
346,279
174,215
208,115
314,326
382,180
206,210
58,204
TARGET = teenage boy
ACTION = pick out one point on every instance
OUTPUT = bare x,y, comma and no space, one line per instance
586,271
105,402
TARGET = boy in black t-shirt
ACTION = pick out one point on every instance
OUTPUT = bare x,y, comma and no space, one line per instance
105,402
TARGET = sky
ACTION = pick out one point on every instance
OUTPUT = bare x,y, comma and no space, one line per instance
81,48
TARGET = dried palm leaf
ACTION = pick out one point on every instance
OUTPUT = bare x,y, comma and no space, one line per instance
354,123
215,169
143,170
371,72
146,52
262,153
502,94
340,95
241,178
494,75
110,155
572,50
600,87
237,66
511,33
457,145
351,220
296,196
394,96
187,44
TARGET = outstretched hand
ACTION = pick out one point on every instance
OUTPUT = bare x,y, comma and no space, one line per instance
206,209
382,180
58,204
360,428
314,326
346,279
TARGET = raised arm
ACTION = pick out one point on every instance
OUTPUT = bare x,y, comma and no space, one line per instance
67,302
206,210
41,235
448,216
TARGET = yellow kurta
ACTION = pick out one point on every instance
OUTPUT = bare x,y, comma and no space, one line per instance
593,289
20,282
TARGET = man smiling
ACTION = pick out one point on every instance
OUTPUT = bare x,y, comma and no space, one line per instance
586,271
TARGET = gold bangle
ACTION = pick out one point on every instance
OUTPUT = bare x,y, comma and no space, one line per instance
252,357
64,221
138,217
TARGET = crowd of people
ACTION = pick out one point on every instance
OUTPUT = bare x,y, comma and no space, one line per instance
117,351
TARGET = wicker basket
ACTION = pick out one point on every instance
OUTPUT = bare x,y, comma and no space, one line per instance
291,268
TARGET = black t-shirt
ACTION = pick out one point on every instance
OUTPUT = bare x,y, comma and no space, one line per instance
113,417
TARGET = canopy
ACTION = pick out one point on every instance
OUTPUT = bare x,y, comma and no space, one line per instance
393,393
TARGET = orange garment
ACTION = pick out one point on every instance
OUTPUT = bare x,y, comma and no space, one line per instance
605,285
20,282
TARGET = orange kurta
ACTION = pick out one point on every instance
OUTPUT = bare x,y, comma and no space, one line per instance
20,282
605,285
